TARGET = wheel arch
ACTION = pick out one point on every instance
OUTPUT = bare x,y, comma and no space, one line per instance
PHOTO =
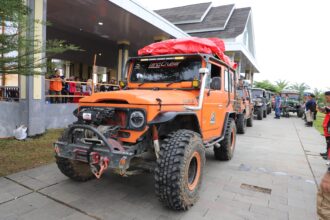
168,122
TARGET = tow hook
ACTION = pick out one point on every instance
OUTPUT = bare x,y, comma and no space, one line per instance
122,166
103,165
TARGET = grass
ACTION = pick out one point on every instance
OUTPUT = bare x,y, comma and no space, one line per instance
21,155
319,121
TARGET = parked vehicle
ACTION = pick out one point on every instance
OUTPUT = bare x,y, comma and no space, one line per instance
291,103
172,107
269,96
260,103
244,106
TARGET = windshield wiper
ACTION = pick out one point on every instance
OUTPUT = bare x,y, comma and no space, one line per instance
141,84
177,81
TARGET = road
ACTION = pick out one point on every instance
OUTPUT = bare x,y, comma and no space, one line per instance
273,175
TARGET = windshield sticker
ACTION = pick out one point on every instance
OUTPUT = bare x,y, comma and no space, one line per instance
164,64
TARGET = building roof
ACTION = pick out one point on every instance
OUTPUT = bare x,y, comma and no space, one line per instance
215,20
222,21
186,14
234,28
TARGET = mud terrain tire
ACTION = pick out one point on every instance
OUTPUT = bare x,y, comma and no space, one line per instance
75,170
241,124
265,113
179,169
227,145
249,121
259,114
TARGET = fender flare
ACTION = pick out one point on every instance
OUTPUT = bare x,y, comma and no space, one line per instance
165,117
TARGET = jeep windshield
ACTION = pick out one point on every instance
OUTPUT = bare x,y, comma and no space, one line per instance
168,70
257,93
293,97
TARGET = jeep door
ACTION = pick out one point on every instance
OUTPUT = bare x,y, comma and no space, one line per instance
215,102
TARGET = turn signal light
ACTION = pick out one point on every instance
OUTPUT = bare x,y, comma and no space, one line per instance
122,84
195,83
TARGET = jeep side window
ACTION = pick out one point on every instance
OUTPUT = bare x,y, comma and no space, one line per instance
226,81
215,77
232,82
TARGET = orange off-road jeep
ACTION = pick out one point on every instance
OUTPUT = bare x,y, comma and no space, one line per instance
244,106
172,108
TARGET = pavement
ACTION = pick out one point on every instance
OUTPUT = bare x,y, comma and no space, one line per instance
274,175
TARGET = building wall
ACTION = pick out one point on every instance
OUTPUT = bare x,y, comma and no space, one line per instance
59,115
10,118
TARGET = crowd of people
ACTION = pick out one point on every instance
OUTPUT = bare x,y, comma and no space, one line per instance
311,109
70,90
323,196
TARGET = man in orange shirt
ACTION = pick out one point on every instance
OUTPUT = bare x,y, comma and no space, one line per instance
55,87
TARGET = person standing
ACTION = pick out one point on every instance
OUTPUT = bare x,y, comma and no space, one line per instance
55,87
310,110
326,125
323,195
278,103
72,88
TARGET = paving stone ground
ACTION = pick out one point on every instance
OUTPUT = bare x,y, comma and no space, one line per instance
277,155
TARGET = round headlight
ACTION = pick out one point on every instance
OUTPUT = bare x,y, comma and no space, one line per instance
137,119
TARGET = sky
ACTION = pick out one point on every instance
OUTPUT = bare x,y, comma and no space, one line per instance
292,38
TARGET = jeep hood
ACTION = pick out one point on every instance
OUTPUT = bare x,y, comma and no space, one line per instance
146,97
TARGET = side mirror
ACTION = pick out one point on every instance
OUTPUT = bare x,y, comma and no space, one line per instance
204,71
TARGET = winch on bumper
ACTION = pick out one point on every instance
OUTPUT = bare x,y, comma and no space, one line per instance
99,152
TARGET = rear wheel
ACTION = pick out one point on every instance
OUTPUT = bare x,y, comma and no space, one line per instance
75,170
179,170
241,124
227,145
265,113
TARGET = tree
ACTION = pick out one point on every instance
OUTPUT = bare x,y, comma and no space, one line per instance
17,48
267,85
319,96
281,84
302,87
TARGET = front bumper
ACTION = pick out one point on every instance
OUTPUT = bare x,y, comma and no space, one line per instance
94,151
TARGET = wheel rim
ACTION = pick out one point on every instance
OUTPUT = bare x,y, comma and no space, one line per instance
194,171
232,138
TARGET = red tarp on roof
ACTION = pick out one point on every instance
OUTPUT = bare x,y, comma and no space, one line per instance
189,45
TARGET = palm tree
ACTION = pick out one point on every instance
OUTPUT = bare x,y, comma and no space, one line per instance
319,95
281,84
302,87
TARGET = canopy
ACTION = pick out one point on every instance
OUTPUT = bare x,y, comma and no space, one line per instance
189,45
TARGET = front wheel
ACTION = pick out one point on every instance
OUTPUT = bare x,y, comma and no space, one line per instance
75,170
179,169
265,113
227,145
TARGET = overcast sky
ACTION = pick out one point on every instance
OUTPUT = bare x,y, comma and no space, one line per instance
292,37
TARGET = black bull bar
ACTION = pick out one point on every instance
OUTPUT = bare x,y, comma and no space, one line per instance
100,153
